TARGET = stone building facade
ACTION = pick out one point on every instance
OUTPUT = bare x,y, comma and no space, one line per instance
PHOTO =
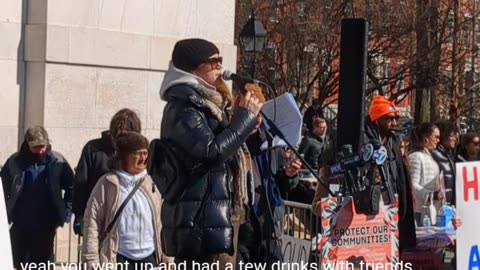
69,65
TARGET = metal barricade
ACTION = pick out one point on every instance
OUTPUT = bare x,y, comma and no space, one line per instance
67,245
300,223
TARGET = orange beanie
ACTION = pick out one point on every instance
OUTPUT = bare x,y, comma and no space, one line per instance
380,107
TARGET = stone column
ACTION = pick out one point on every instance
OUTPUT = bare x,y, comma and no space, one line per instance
87,59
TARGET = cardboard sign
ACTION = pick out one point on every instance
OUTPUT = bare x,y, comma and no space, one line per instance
295,250
358,240
468,206
6,261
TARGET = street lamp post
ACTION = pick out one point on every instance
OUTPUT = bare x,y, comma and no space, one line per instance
252,39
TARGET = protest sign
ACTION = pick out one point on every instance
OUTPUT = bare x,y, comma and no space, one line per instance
295,250
468,206
358,239
5,248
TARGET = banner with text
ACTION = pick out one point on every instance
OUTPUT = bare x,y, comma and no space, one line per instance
468,207
358,239
6,261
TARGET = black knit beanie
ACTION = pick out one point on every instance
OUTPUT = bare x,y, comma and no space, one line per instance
188,54
128,142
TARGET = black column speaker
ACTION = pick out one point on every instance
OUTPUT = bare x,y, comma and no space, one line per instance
351,96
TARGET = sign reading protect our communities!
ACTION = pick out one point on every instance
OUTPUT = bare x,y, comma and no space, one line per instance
468,207
357,241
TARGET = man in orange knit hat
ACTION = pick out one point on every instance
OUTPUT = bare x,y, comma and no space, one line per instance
380,125
385,114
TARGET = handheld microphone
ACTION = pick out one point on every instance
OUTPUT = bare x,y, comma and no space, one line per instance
240,80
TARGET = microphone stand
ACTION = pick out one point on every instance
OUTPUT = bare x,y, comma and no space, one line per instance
240,82
275,131
265,183
270,134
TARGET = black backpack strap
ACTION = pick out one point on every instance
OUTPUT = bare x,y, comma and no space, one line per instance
122,206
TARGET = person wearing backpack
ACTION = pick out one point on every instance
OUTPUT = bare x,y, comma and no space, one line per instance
122,218
198,222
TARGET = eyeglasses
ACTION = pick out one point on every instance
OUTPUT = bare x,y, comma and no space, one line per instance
141,153
215,63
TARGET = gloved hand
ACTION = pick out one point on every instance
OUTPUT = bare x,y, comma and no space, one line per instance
78,225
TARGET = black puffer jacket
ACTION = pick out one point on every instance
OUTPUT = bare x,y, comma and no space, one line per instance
92,165
446,162
199,222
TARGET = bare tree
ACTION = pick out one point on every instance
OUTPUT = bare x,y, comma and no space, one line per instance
416,48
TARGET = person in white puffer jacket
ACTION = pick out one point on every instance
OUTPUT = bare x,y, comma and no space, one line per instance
424,170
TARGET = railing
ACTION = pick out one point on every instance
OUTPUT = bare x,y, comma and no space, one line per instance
67,245
299,222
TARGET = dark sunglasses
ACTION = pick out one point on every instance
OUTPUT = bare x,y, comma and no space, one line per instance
216,60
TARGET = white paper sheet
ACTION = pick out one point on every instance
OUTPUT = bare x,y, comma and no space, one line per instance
284,113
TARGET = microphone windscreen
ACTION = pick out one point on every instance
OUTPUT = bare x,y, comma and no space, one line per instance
227,75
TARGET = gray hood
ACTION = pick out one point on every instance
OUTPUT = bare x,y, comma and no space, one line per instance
175,76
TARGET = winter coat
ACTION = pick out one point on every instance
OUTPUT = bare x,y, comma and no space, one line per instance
59,178
312,147
102,206
446,162
92,165
425,177
399,178
277,185
199,222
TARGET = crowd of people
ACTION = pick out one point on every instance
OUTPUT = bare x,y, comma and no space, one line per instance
228,200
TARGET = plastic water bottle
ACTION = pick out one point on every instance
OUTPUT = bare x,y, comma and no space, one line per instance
427,223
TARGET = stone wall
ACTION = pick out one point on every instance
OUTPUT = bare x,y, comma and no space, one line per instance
87,59
69,65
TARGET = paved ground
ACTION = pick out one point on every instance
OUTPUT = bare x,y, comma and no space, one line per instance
66,245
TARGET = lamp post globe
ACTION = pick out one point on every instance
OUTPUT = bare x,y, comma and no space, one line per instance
252,40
